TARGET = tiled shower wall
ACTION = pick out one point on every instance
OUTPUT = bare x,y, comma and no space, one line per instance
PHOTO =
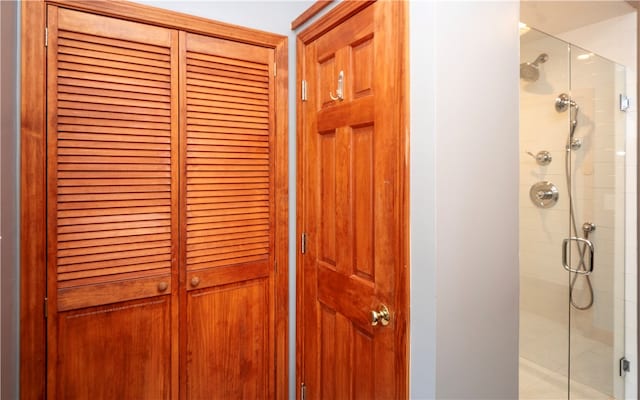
598,173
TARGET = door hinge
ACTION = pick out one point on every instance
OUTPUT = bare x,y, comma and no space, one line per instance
46,308
46,37
625,366
303,391
303,243
304,90
624,103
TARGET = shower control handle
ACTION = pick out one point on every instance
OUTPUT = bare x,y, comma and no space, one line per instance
565,245
544,195
542,158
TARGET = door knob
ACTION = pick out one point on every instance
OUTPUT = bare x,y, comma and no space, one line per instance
382,316
162,286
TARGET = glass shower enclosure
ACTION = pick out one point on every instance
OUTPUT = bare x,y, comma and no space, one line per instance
572,193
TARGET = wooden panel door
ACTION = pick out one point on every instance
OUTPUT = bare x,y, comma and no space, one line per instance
227,305
112,208
353,212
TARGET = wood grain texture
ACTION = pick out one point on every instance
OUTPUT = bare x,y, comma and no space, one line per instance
397,27
91,219
175,20
353,171
175,217
53,376
310,13
133,288
232,194
227,350
79,254
182,201
338,14
102,128
32,203
95,25
95,368
281,226
248,190
301,51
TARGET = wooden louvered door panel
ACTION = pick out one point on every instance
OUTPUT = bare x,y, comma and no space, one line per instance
227,219
112,208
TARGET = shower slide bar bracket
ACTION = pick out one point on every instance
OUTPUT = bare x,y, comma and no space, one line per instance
625,366
625,103
565,245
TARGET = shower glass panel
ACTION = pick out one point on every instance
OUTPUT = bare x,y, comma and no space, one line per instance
598,191
571,218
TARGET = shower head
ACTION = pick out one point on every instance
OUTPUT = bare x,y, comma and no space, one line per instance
529,71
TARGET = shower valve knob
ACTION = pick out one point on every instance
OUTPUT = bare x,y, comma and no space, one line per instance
544,194
542,158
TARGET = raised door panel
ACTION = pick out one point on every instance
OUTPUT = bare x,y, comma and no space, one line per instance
228,335
130,362
228,218
352,214
112,206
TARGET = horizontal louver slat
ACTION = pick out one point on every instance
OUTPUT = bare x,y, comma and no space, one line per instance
113,160
111,241
70,86
112,248
228,162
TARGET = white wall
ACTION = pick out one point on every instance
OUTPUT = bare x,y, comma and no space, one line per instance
475,90
423,171
9,231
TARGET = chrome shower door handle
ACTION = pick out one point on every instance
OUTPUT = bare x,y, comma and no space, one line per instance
566,243
339,91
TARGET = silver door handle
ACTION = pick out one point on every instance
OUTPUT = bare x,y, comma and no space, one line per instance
566,243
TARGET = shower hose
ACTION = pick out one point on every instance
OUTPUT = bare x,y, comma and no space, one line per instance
582,248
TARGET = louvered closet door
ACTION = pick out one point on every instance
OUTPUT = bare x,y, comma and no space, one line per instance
227,199
112,208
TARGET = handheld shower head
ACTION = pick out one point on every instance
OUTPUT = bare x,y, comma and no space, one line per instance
530,71
564,103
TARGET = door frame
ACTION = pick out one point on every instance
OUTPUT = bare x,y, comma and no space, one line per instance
334,17
33,204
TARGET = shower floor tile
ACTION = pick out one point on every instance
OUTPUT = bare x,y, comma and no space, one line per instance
539,383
